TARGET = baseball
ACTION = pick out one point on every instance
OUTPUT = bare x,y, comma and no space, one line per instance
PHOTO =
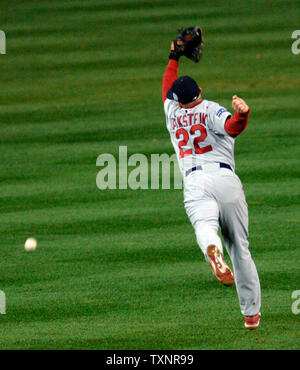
30,244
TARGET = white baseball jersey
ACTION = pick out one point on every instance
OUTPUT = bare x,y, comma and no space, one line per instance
198,134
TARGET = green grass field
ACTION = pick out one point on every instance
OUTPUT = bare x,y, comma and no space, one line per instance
120,269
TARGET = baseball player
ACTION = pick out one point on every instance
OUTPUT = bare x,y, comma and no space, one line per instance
203,134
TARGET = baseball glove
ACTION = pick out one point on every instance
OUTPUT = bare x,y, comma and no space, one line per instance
189,43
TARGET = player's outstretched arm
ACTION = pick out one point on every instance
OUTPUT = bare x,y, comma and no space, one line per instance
171,72
188,42
236,124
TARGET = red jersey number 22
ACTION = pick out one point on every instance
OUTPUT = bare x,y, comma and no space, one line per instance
183,135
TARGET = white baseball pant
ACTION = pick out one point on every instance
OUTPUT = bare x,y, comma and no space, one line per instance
214,198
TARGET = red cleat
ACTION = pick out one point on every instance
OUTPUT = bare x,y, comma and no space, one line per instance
252,322
219,267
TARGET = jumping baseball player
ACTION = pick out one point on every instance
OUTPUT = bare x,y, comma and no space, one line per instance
203,134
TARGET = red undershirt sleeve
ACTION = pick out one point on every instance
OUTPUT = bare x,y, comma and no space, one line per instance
170,75
236,124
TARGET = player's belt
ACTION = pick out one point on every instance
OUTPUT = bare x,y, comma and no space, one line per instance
196,168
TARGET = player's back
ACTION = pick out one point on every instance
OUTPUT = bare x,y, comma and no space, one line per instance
198,134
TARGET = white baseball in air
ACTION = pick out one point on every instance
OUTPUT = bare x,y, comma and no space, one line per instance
30,244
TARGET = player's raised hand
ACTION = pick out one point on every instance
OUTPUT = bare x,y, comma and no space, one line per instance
239,105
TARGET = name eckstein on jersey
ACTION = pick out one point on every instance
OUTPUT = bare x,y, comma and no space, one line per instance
188,119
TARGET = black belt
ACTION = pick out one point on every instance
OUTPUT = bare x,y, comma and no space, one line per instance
222,165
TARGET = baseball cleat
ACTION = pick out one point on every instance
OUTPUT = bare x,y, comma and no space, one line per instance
219,267
252,322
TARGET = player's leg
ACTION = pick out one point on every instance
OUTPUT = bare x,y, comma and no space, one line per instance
204,215
234,225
